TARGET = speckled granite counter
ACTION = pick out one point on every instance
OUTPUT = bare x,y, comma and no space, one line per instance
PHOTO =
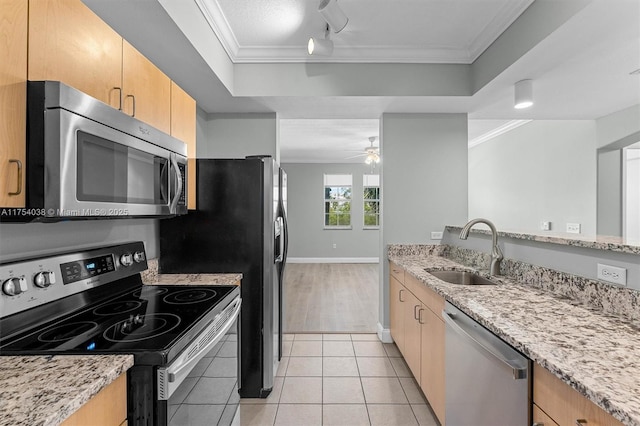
151,277
596,354
45,390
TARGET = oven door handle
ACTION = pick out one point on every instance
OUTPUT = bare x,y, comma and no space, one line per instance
171,376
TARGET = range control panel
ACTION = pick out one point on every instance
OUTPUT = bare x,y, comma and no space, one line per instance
31,282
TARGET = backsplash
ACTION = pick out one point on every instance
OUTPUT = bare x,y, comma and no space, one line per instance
608,299
150,276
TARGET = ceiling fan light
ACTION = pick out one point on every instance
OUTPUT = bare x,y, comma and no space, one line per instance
334,16
523,94
319,47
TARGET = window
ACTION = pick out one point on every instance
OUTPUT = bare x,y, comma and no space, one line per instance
337,201
371,195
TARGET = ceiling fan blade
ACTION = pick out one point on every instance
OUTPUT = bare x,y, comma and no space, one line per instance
364,154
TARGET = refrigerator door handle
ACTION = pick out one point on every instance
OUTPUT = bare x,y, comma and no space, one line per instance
279,236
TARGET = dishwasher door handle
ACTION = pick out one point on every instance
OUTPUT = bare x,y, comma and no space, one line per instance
518,372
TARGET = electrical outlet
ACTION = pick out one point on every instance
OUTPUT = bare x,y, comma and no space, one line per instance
335,246
573,228
436,235
545,226
612,274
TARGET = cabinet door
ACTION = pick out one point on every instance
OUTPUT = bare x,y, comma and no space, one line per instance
397,294
70,43
183,127
432,368
108,407
564,404
13,100
412,334
540,418
146,90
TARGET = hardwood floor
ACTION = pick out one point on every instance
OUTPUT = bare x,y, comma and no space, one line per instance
330,298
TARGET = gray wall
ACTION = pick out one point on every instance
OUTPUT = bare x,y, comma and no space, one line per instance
610,192
32,239
236,135
544,170
573,260
424,182
307,237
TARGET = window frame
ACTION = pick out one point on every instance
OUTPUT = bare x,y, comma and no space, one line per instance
365,186
334,180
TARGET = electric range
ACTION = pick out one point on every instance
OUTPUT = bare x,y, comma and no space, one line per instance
94,302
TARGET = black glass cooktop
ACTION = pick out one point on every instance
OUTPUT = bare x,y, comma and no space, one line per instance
149,318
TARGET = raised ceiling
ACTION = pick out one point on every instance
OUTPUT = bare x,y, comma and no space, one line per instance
410,31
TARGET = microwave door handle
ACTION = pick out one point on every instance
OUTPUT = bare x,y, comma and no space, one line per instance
173,208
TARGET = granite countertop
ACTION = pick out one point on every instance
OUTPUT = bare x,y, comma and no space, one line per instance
596,354
198,279
45,390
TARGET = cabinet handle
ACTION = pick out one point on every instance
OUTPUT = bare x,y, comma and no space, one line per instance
420,315
538,424
19,164
400,295
415,312
119,89
581,422
134,104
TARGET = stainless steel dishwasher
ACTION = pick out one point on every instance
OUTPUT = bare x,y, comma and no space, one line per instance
487,381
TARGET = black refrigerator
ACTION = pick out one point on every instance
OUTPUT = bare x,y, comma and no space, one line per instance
239,225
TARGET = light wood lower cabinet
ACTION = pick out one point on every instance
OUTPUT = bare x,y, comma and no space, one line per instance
107,408
396,311
13,101
563,404
540,418
418,329
432,379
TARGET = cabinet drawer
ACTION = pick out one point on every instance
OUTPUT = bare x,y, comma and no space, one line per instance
540,418
397,272
564,404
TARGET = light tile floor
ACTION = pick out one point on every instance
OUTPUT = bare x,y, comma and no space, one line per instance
339,379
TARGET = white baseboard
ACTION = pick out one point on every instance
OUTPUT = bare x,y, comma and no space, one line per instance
333,260
384,334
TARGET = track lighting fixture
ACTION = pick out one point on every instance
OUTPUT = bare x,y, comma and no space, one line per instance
320,47
334,16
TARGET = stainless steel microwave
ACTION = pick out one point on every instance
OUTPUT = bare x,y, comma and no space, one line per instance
87,160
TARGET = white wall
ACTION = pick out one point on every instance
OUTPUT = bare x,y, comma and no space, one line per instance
308,240
544,170
236,135
424,182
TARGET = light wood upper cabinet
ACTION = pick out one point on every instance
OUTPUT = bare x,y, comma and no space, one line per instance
146,91
70,43
183,127
13,100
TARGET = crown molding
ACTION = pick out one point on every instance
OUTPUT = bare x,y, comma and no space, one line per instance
500,130
377,54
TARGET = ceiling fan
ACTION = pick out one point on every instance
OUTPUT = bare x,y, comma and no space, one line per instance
371,153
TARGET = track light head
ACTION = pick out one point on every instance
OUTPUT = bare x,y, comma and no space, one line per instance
334,16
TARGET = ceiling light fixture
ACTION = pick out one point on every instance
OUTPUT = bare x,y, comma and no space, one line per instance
320,47
334,16
373,155
523,94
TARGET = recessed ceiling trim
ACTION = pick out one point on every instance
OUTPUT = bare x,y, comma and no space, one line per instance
500,130
220,26
506,16
285,54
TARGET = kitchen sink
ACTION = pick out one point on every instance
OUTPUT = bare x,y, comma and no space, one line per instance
461,277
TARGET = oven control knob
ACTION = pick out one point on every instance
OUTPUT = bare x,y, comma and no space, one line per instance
126,259
14,286
138,256
44,279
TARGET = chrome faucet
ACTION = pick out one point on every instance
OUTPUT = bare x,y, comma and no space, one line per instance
496,253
